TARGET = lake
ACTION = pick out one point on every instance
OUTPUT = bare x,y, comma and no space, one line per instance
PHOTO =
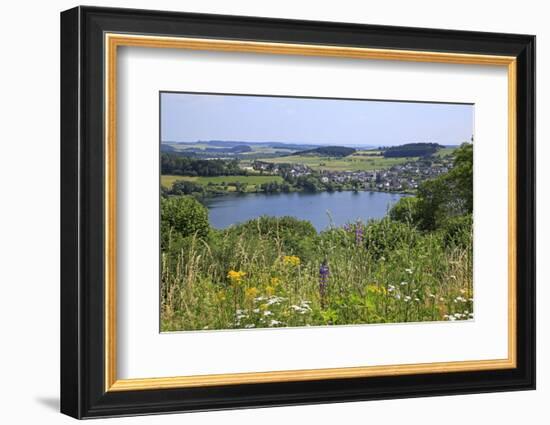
321,209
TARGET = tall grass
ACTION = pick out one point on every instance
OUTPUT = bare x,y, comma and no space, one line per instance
280,272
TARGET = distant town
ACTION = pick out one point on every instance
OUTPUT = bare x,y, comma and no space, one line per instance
218,167
397,178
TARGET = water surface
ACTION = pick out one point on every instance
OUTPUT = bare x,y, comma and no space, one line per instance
321,209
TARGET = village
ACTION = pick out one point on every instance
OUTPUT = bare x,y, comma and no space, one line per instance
405,177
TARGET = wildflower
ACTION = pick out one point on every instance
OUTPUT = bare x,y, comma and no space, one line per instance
404,283
275,281
291,260
409,271
431,295
250,293
391,288
407,298
270,290
274,323
417,300
220,296
274,300
358,234
324,273
236,276
250,325
374,288
240,315
256,310
268,313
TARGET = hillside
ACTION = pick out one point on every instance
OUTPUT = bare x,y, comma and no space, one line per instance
332,151
411,150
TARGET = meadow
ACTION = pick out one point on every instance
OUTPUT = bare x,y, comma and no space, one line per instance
252,181
274,272
356,162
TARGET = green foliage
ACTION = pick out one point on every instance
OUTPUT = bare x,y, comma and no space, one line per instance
335,151
457,231
183,215
385,237
289,234
185,187
175,164
440,199
405,210
253,276
411,150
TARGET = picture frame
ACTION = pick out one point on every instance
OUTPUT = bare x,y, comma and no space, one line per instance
91,38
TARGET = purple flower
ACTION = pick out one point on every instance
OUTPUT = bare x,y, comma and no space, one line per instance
324,273
358,234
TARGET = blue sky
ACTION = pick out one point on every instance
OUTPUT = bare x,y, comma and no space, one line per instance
190,117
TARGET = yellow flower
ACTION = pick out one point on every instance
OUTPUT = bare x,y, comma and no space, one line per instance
374,288
275,281
251,293
270,290
220,296
292,260
235,276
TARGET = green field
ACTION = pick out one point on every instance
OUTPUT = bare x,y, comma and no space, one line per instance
168,181
355,162
445,151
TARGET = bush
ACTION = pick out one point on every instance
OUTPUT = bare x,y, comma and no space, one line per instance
405,210
184,215
385,237
457,231
292,234
184,187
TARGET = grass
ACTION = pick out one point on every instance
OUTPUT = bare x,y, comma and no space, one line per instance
168,180
356,162
445,151
255,276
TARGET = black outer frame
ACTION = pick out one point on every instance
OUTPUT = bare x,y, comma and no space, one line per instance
82,212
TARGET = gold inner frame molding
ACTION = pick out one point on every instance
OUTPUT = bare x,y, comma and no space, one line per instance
113,41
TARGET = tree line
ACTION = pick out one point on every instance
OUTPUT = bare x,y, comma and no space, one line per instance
186,166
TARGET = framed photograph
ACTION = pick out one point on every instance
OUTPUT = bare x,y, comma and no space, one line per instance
261,212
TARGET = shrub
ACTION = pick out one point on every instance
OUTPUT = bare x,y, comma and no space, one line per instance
184,215
184,187
457,231
405,210
384,237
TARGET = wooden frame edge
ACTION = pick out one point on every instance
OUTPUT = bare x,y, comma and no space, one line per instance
114,40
